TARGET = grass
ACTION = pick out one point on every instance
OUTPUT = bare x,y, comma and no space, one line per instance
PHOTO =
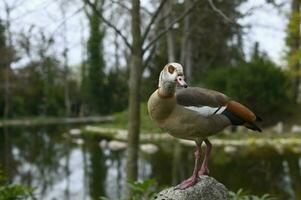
121,121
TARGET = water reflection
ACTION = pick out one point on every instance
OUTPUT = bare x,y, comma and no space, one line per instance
44,158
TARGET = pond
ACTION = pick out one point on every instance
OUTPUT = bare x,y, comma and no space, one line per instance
60,167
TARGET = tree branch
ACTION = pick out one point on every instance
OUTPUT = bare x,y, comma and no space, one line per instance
153,19
162,33
148,58
107,22
121,4
219,12
65,19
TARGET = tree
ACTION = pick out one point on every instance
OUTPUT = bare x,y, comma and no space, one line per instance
3,69
134,93
168,12
186,47
95,80
293,43
9,59
65,58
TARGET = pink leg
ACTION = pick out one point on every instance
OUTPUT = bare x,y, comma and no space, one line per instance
204,169
193,179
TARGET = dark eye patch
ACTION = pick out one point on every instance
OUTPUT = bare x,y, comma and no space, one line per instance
171,69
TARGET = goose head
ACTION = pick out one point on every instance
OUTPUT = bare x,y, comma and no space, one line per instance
172,75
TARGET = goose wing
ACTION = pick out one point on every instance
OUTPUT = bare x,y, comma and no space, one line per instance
209,102
194,96
204,101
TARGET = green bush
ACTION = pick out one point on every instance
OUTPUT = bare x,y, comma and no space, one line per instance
14,191
241,195
141,190
259,84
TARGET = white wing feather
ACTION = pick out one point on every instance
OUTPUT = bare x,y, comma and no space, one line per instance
207,110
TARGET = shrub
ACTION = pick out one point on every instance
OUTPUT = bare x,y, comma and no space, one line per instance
240,195
259,84
15,191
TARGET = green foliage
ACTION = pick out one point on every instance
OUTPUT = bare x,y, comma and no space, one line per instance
259,84
241,195
39,89
95,76
293,43
14,191
38,85
141,190
53,98
117,91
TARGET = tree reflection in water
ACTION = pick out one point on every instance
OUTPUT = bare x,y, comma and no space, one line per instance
47,159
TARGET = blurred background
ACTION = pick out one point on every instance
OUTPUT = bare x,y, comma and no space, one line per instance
75,76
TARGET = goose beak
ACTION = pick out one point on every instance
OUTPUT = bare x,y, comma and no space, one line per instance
181,81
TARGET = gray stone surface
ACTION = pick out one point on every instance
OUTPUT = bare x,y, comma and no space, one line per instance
207,188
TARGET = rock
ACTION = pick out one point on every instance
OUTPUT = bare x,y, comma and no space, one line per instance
230,149
207,188
296,129
103,144
149,148
75,132
78,141
278,128
115,145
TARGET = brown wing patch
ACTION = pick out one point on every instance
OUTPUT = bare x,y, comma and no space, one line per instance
241,111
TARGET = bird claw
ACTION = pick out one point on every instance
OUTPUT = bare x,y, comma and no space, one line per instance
187,183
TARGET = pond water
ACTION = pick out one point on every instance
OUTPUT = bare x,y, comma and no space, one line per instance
59,168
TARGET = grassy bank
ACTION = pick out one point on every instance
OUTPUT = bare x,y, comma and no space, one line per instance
54,120
121,121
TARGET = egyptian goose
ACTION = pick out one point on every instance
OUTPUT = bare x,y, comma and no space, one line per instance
194,114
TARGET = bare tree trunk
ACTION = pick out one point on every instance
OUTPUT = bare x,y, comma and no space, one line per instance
169,34
66,70
188,60
7,91
134,95
116,55
83,107
66,86
186,47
